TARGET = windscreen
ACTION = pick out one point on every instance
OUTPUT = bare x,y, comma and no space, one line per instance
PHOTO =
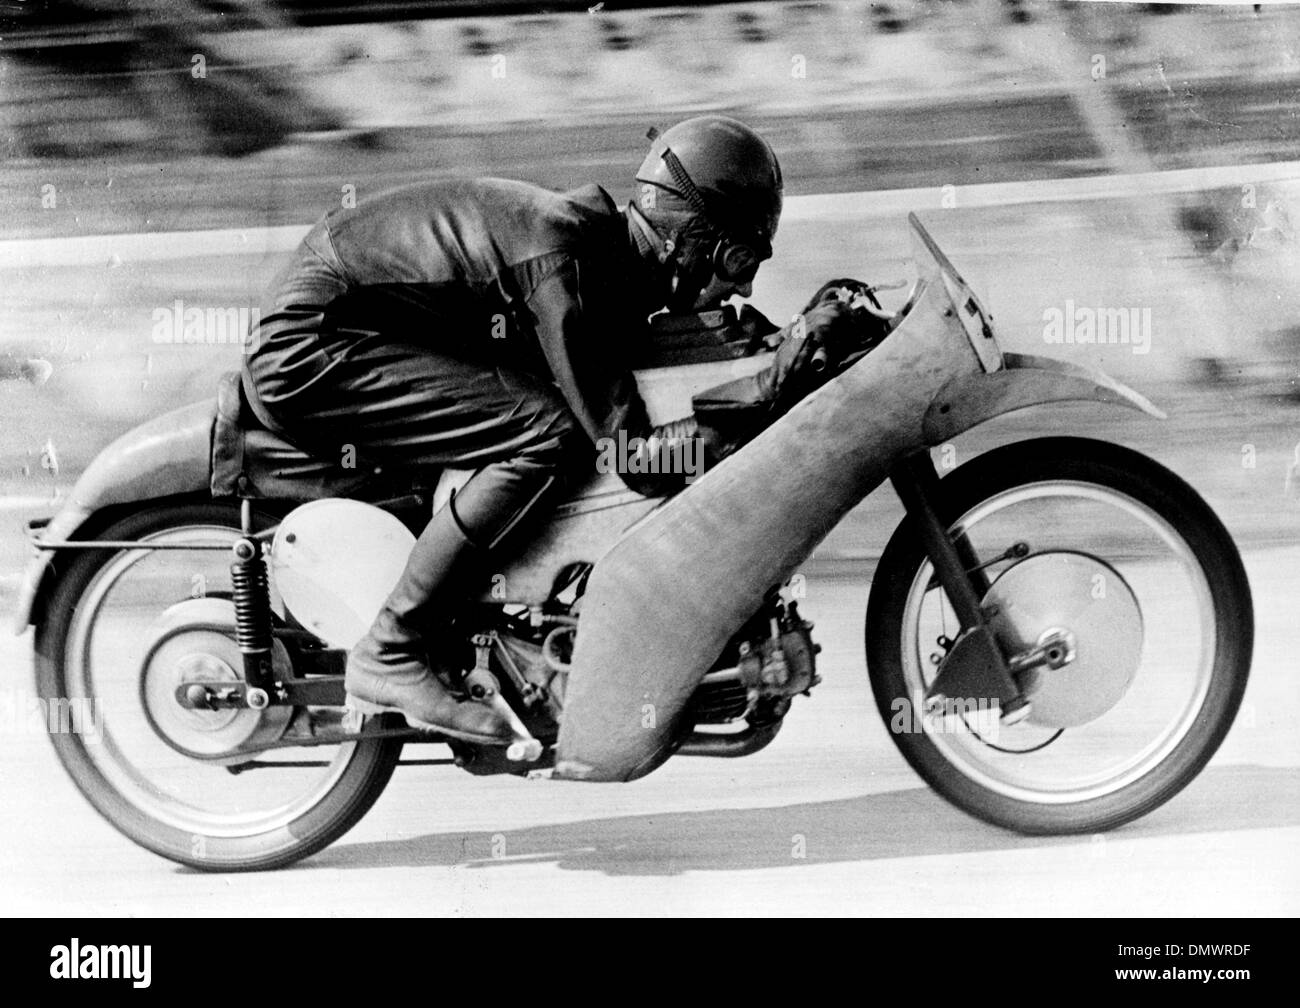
933,266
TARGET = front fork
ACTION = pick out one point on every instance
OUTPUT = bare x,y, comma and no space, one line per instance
974,668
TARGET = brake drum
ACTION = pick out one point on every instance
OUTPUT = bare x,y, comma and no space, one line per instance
193,642
1091,602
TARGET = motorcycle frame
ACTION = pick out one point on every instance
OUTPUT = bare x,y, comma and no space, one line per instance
975,665
914,479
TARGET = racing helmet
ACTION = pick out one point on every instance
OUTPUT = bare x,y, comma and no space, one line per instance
710,188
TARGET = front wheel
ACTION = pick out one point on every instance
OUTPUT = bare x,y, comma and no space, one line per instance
157,770
1101,552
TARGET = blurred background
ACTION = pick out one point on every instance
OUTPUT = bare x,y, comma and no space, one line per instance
1109,156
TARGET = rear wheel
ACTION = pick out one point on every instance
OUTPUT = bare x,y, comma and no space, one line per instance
154,768
1114,560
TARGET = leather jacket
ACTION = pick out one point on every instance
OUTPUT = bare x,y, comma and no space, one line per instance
492,270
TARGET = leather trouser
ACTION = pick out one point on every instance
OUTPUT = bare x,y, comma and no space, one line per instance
398,405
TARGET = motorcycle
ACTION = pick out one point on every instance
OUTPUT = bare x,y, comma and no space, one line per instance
204,580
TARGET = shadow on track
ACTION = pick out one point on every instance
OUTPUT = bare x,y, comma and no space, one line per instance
894,824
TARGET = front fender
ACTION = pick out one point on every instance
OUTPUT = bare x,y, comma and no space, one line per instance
1023,380
163,457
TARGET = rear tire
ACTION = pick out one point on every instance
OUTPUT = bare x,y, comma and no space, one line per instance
355,789
1152,488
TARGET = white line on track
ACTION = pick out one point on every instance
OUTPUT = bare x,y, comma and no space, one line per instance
94,250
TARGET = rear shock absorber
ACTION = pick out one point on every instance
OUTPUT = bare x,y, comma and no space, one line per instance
253,619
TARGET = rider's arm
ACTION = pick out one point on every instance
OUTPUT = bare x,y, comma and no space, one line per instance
810,351
583,331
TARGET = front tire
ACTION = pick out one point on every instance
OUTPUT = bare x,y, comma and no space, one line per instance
103,593
1147,749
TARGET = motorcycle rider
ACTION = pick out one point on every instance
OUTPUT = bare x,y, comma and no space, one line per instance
487,324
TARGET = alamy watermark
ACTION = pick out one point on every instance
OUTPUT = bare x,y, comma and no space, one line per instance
25,714
640,456
75,961
1104,326
916,715
212,325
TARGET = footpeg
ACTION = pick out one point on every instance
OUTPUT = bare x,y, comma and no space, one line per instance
483,687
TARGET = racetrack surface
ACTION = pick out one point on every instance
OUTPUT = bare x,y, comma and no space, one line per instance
704,836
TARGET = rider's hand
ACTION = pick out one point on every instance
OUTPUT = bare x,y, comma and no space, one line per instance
810,350
828,332
845,289
844,339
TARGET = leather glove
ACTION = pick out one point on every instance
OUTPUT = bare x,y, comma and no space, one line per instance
829,329
827,336
809,351
846,342
843,289
813,348
730,414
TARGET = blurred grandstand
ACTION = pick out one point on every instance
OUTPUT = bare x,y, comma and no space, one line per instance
872,95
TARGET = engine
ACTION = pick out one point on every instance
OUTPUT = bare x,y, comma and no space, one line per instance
771,659
526,656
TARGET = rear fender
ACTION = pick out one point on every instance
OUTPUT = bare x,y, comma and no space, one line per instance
169,456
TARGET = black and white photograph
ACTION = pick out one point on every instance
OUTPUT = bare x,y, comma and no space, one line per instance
530,458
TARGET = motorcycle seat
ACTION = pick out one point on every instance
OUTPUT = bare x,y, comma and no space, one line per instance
250,460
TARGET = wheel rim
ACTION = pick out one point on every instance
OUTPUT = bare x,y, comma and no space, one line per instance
1031,763
102,658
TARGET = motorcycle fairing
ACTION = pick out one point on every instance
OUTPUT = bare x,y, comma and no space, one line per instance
663,602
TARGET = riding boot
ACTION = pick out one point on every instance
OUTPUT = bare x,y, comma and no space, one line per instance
388,669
